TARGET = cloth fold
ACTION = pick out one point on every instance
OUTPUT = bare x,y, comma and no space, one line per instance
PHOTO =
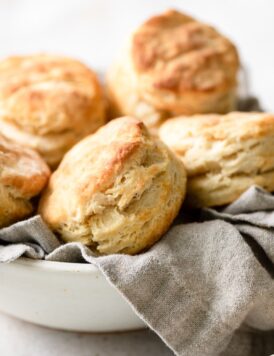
198,287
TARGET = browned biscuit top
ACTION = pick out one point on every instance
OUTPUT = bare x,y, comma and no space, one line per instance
21,170
177,53
117,190
47,94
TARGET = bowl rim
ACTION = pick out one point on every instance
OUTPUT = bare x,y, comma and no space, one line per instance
57,266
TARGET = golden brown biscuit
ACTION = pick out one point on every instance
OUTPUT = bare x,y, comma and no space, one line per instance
48,103
172,65
223,155
116,191
23,174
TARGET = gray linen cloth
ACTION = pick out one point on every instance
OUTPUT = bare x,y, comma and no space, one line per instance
197,286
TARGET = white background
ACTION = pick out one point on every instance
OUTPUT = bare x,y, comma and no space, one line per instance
93,31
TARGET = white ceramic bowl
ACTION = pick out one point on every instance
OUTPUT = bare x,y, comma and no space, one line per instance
67,296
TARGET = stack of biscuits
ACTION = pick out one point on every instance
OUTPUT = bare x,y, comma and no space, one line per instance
111,167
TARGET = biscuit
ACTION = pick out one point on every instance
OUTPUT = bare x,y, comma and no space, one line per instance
223,154
173,65
116,191
23,174
48,103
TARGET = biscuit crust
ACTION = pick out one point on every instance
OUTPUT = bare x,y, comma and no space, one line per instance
116,191
23,175
49,103
172,65
223,155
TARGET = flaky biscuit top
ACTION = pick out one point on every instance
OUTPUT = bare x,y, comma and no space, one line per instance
208,142
45,94
22,171
117,190
224,155
173,65
177,53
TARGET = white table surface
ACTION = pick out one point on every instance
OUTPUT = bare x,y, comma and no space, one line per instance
18,338
93,30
